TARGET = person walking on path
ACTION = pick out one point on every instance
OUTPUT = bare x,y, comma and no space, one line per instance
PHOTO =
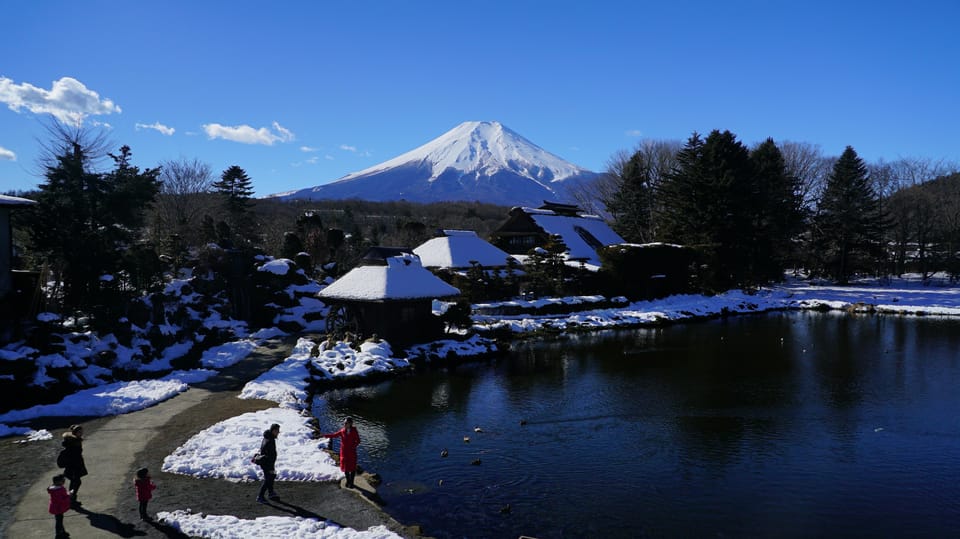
59,504
268,462
71,460
144,487
349,440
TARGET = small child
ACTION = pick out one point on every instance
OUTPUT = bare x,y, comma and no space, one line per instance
144,487
59,503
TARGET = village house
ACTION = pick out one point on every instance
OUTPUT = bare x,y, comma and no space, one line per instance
389,294
459,250
16,287
583,234
7,205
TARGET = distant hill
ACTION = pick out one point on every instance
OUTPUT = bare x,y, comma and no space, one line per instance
475,161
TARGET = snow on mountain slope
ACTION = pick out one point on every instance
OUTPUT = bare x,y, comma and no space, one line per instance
482,161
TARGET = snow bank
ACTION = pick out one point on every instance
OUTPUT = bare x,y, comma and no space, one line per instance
285,383
224,450
227,354
113,399
223,526
342,361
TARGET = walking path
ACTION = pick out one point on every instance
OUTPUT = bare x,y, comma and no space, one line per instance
115,447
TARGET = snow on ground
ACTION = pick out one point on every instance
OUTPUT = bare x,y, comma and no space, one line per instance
31,435
113,399
642,312
224,450
340,360
124,397
285,383
475,345
894,296
227,354
224,526
906,296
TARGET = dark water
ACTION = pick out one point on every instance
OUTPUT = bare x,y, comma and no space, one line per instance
777,425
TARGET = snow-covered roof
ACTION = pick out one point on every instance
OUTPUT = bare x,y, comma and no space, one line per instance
402,278
7,200
567,227
457,249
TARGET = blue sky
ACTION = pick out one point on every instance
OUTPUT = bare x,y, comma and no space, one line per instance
301,93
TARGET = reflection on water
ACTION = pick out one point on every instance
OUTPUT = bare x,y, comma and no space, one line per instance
789,424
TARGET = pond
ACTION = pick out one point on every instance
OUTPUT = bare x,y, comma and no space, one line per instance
782,424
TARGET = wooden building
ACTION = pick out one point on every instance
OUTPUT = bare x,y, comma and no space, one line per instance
7,205
389,294
583,234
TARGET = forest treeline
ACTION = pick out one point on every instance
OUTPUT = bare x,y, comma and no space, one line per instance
750,213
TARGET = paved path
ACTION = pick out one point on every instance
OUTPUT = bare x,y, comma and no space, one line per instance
115,447
115,444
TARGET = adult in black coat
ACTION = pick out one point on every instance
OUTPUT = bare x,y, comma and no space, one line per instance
72,460
268,462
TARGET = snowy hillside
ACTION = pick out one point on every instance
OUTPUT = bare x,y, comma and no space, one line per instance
482,161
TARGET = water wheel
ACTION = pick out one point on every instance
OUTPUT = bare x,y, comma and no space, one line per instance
342,319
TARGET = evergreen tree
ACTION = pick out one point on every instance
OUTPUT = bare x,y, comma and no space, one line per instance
85,221
778,214
680,197
630,206
707,201
848,226
236,188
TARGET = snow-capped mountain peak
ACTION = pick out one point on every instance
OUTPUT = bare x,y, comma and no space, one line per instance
482,147
483,161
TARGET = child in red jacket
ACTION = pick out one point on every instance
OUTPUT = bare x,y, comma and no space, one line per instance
144,487
59,503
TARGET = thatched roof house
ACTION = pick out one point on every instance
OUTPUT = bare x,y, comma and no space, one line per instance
458,250
583,234
390,294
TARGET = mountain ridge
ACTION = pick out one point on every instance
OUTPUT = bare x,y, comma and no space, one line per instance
474,161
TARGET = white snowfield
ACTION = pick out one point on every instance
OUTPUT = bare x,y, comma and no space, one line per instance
229,526
224,450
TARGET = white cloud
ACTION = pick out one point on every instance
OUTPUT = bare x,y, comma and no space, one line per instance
348,148
248,135
7,155
68,100
309,149
156,126
634,133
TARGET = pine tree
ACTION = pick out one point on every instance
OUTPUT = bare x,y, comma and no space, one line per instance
631,204
236,188
706,203
848,226
85,221
778,216
679,197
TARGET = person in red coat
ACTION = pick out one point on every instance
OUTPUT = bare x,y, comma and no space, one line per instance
59,503
349,440
144,487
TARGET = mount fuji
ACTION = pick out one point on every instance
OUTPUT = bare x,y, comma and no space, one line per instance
474,161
